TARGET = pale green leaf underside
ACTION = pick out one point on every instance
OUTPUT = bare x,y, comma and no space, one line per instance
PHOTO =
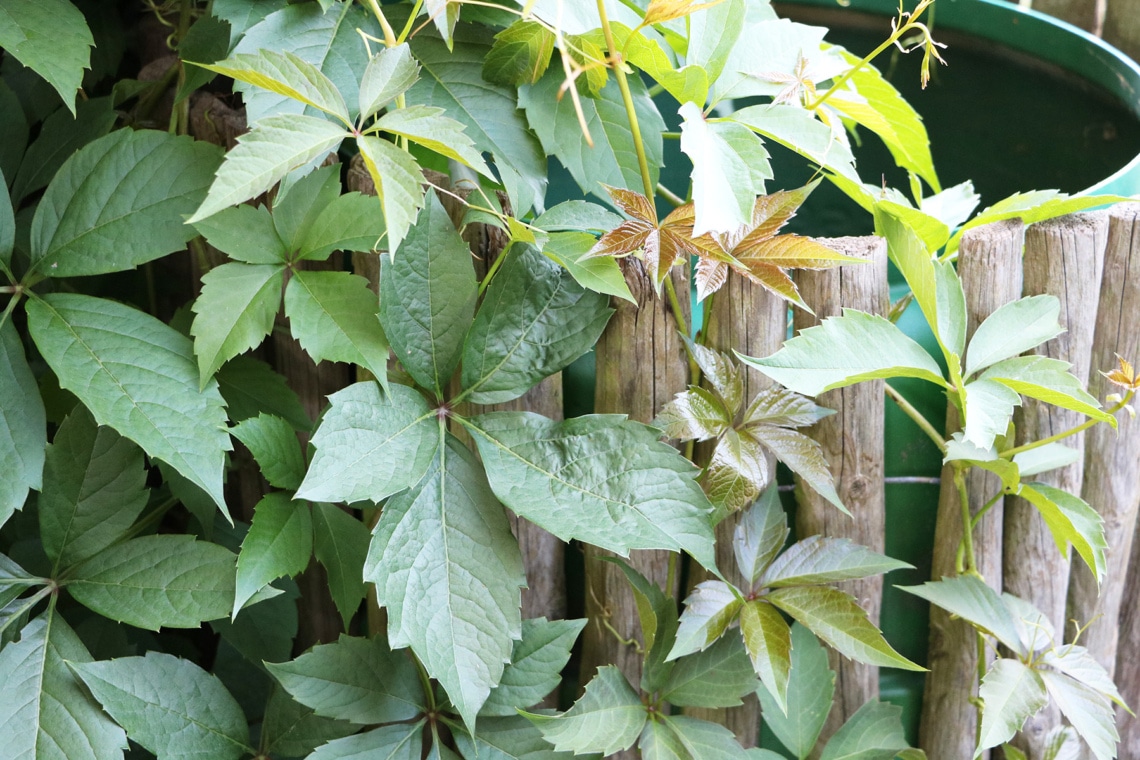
1011,693
607,719
1013,329
137,376
536,665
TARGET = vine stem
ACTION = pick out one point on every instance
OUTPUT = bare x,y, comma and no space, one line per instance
1011,453
389,33
15,299
627,99
970,565
916,415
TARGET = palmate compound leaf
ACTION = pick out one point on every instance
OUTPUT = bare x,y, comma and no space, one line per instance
507,738
334,316
359,680
371,444
1010,693
44,711
737,472
846,350
683,738
23,424
972,600
874,732
835,617
520,54
817,559
427,298
161,581
1013,329
138,376
810,691
279,543
607,719
1089,711
599,478
169,705
272,148
1047,380
694,415
94,489
803,456
50,37
535,667
119,202
429,127
717,677
711,607
534,320
448,570
390,72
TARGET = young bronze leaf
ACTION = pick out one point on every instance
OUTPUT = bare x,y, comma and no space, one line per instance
768,640
803,456
695,414
737,472
711,276
783,408
721,373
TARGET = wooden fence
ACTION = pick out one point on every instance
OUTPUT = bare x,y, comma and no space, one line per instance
1117,21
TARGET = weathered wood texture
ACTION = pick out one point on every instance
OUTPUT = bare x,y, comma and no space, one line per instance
641,365
745,317
1063,258
1122,26
1087,14
989,265
852,440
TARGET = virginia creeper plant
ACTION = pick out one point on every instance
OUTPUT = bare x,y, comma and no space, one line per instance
134,606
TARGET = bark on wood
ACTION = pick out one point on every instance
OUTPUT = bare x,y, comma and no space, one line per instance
852,441
640,366
989,265
1122,26
1087,14
1063,258
745,317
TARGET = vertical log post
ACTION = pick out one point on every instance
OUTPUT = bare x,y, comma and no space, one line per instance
641,365
1063,258
852,441
989,265
745,317
1087,14
1122,26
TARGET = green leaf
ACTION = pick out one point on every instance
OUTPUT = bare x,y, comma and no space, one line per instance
349,223
713,33
951,307
427,298
119,202
612,159
657,614
874,732
23,425
846,350
333,316
803,456
170,706
576,216
60,135
266,627
429,127
390,72
234,312
44,711
768,640
402,741
1090,713
709,610
737,472
292,730
446,547
810,691
989,409
327,41
838,620
601,274
370,444
876,105
398,180
520,54
299,202
51,38
251,387
698,739
136,375
354,679
1012,330
452,80
263,156
607,719
95,487
730,165
275,448
508,738
285,74
207,41
158,581
245,233
695,414
599,478
796,129
930,231
536,665
717,677
340,544
279,543
817,560
782,408
1011,693
534,321
1078,663
1047,380
1071,521
1051,456
7,226
972,600
759,536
